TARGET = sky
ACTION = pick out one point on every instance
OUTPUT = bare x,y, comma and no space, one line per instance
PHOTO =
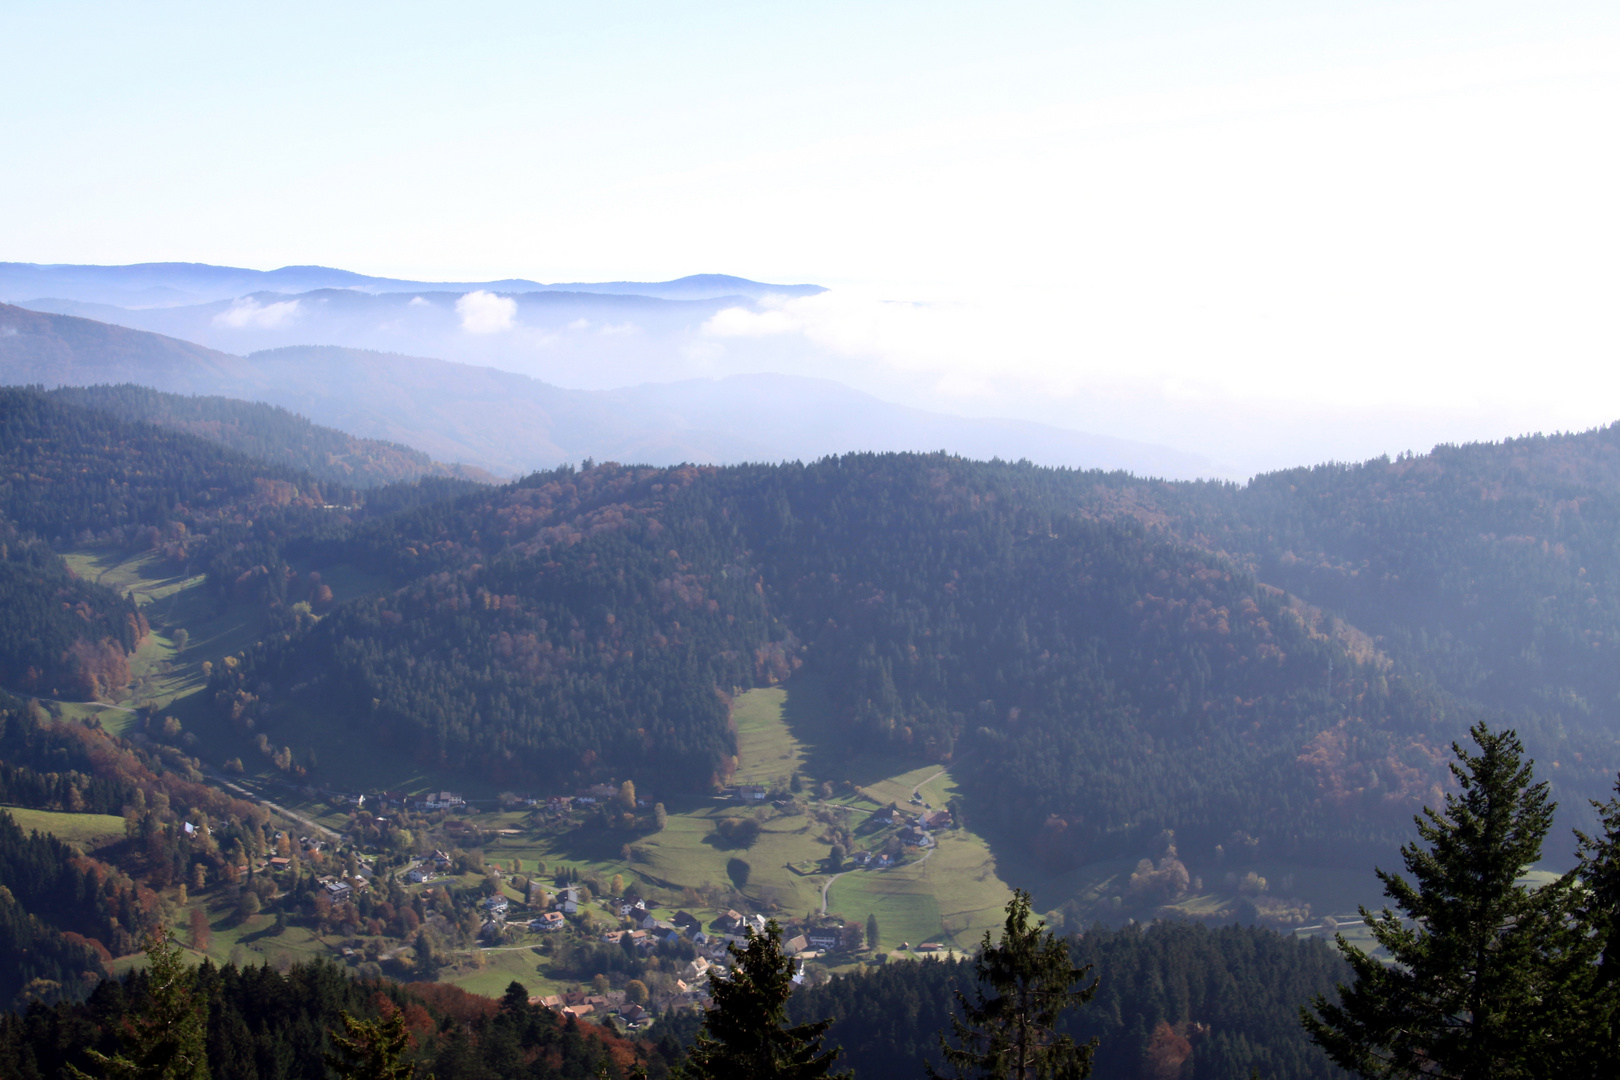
1274,232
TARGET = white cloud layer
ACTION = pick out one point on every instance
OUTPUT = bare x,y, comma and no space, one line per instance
1286,231
248,313
486,313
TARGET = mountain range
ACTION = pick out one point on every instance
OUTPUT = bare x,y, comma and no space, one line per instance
509,423
146,285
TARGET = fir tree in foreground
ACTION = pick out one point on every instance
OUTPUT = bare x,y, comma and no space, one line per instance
745,1037
167,1038
1025,986
1599,911
1489,976
372,1049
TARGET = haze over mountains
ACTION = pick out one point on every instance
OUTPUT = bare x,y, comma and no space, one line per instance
146,285
609,336
510,423
588,336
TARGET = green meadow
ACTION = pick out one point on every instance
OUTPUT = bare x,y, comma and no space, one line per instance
88,829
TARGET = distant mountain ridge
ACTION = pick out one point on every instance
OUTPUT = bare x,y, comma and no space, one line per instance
566,334
510,423
170,284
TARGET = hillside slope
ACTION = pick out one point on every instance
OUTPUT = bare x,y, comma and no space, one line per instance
270,434
1100,682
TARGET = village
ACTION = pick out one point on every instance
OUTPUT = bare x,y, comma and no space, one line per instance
420,885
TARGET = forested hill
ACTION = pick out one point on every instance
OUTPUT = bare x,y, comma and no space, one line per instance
77,476
68,472
1100,680
269,433
1279,665
1492,570
1496,565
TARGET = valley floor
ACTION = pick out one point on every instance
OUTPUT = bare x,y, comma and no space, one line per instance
944,895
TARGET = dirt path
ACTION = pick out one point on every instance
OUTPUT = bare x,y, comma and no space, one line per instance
81,704
828,884
917,791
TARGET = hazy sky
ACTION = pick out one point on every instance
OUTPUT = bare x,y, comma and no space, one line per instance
1308,229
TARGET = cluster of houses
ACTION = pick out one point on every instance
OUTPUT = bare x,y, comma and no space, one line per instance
577,1003
305,846
590,795
691,985
916,829
395,800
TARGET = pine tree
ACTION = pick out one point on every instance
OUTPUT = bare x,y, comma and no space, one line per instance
1484,968
1025,986
745,1037
167,1039
372,1049
1598,905
871,930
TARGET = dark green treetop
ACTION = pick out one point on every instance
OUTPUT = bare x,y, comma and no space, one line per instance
372,1049
1598,910
1484,966
745,1036
167,1038
1025,986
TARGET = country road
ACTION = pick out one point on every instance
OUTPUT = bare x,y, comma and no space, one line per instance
917,791
290,815
929,854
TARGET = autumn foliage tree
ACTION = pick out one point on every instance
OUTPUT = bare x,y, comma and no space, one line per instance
201,933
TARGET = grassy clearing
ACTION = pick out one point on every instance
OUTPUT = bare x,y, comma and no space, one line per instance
163,674
951,897
348,754
766,749
253,941
933,782
490,971
91,829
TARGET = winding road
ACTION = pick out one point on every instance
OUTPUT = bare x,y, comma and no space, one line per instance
929,854
916,791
